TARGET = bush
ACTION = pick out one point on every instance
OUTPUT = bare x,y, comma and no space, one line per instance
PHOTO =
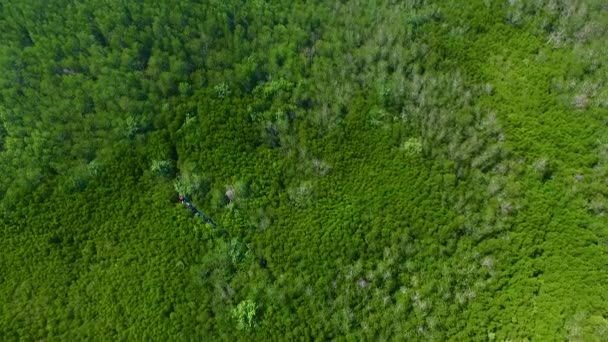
185,89
191,185
131,127
244,314
221,90
161,168
301,196
412,146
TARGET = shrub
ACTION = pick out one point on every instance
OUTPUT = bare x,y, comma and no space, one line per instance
161,167
301,196
412,146
131,127
191,185
185,89
244,314
221,90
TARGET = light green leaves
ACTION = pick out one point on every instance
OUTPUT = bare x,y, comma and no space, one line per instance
131,126
412,146
161,167
244,314
189,185
222,90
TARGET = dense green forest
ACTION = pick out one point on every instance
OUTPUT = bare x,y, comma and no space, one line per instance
379,170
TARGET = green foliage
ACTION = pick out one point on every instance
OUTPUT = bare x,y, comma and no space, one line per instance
412,146
185,89
191,185
244,314
221,90
161,167
378,170
271,88
237,251
130,127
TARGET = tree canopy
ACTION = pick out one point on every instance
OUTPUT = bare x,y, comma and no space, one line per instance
384,170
